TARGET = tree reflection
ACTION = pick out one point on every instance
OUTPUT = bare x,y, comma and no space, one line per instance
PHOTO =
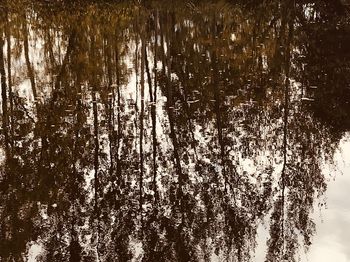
167,133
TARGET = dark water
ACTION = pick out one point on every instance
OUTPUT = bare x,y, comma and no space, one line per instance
170,131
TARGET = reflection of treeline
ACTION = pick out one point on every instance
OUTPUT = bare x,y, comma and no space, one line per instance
96,162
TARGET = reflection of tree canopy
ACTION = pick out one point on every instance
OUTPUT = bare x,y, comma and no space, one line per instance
167,132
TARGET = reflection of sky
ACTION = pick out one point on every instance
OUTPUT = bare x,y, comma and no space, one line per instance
332,240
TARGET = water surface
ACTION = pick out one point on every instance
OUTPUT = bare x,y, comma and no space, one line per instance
174,131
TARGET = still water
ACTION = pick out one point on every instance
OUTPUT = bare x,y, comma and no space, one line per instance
175,131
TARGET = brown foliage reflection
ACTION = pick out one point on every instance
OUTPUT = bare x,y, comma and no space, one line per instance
167,131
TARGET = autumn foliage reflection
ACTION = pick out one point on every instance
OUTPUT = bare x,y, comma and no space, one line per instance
167,132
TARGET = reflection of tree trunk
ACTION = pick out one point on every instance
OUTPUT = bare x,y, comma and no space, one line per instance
74,246
110,108
170,106
30,69
285,145
50,50
94,82
55,96
75,249
182,72
96,144
4,94
183,75
216,89
118,115
9,77
61,73
287,51
153,110
166,61
96,166
143,48
137,79
79,114
155,56
153,116
149,79
170,109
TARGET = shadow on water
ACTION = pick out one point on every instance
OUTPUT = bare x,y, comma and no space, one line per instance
167,131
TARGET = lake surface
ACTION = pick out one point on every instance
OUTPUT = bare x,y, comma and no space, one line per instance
175,131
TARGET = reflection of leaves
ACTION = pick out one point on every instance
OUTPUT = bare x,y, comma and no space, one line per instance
227,78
